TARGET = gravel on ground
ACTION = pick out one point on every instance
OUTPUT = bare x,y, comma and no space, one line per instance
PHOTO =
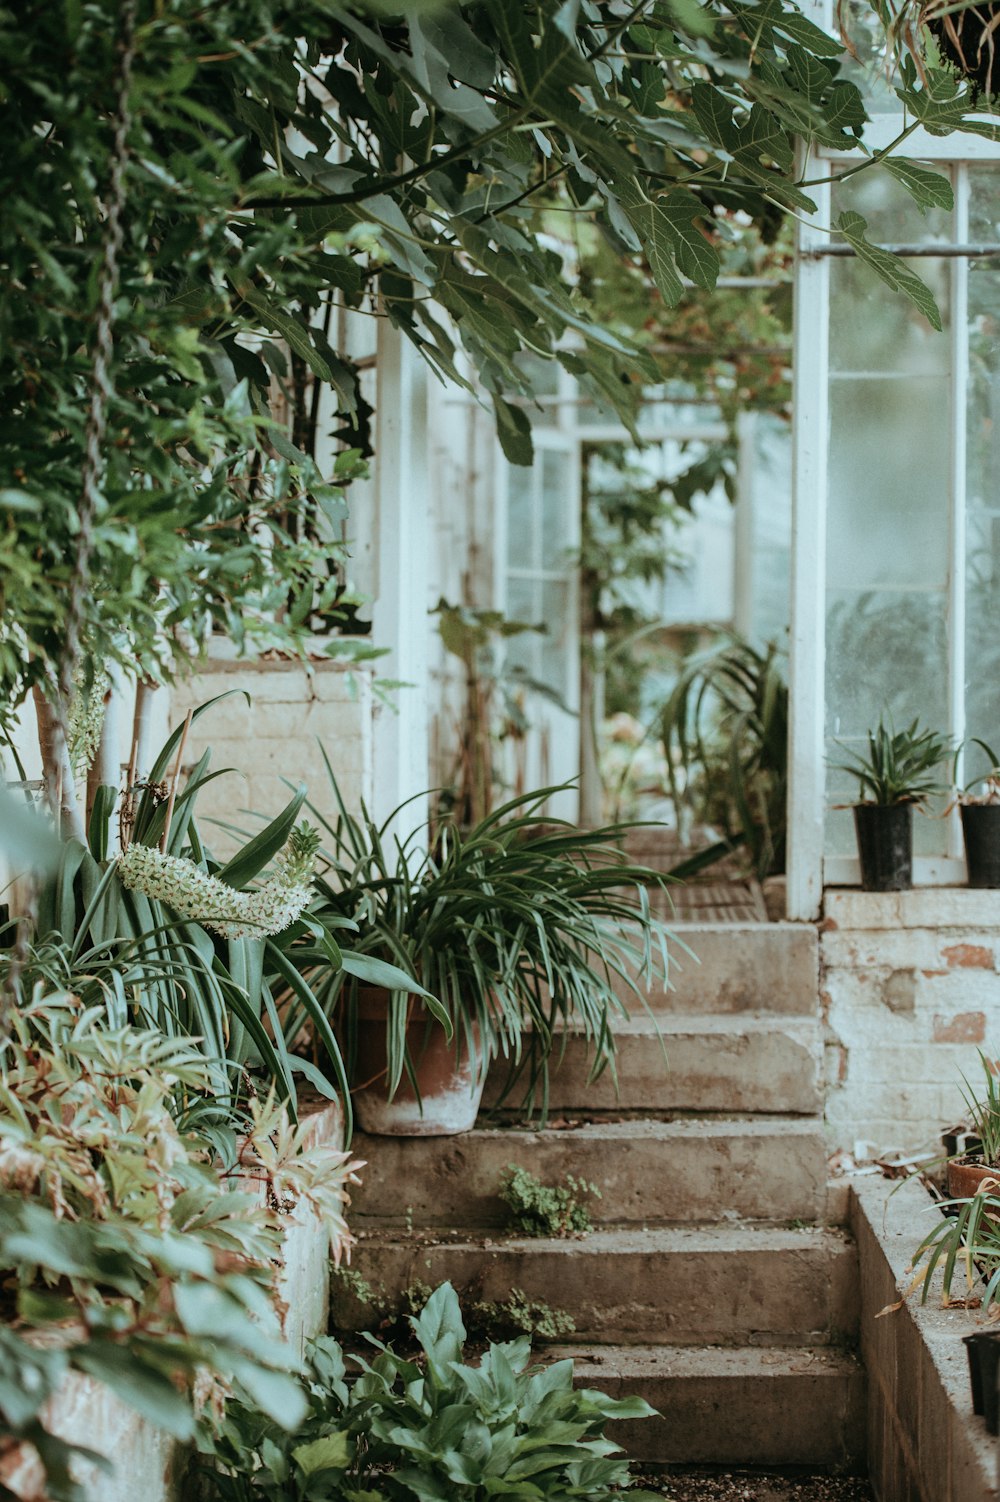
747,1486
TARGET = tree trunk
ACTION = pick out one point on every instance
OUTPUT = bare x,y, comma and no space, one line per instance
60,787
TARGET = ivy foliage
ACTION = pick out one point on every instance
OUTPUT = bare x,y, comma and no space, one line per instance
285,160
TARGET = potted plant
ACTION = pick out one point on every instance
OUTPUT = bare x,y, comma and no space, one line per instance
896,776
514,930
979,806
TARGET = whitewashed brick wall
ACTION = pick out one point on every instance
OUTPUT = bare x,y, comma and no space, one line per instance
275,739
910,991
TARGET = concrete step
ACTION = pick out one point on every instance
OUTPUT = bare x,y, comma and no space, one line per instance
739,967
722,1285
648,1172
752,1063
769,1407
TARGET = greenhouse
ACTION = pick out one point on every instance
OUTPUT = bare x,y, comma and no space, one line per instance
499,828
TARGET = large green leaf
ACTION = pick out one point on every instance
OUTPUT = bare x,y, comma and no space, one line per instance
892,270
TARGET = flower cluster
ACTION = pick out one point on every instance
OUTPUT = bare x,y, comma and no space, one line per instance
193,893
85,720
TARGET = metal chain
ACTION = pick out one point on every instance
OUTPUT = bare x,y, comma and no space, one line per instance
101,388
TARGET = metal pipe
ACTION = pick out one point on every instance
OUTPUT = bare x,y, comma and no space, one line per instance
944,252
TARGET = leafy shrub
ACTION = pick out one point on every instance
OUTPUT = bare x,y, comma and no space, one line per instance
123,1249
433,1429
538,1209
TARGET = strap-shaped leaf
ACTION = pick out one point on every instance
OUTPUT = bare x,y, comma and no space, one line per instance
252,859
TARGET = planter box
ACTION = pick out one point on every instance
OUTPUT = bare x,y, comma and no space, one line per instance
924,1442
149,1464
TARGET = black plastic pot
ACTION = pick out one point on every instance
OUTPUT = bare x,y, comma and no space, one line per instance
983,1350
981,829
885,845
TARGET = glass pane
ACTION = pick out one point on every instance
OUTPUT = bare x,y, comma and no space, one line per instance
523,604
868,67
556,476
982,558
885,651
984,206
555,614
890,212
873,329
889,483
520,516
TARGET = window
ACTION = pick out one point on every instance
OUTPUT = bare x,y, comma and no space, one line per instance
898,501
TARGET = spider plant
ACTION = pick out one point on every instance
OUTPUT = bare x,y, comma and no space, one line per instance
982,1109
517,928
151,967
726,725
967,1238
900,766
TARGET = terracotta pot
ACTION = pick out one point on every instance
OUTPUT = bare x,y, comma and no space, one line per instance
450,1092
966,1179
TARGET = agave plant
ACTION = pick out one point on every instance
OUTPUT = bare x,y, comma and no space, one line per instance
901,765
517,928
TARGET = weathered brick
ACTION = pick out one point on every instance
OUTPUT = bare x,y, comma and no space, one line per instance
970,956
964,1027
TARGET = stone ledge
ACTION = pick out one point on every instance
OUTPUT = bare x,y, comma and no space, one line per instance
924,1442
923,907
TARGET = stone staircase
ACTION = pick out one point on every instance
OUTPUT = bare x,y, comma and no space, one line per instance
712,1283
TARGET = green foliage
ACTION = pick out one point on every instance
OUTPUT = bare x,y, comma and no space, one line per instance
538,1209
160,969
900,764
431,1429
125,1252
966,1239
984,787
516,927
982,1109
252,210
179,967
208,515
494,1319
725,726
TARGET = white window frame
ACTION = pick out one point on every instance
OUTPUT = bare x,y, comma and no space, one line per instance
809,869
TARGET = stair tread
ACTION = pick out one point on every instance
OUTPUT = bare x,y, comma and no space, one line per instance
631,1362
717,1125
605,1240
709,1024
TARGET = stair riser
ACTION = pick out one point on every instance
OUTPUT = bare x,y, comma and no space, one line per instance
767,967
683,1173
616,1295
771,1072
803,1420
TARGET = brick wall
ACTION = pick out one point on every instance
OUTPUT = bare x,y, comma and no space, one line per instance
276,738
910,990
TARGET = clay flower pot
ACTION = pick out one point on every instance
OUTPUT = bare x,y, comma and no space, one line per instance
968,1178
449,1079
